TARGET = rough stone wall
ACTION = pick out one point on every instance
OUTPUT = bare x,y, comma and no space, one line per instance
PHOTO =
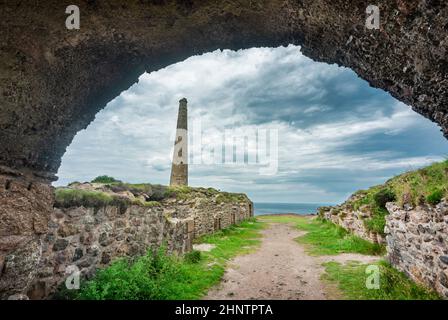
208,214
352,220
90,238
416,239
25,208
417,243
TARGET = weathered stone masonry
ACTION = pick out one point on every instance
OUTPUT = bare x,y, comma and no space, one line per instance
417,243
90,238
416,239
352,220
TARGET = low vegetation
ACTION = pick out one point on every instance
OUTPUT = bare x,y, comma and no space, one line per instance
105,179
186,193
151,193
325,238
158,275
393,284
374,200
226,197
66,198
428,185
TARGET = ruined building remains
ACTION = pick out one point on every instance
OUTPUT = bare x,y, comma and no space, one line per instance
179,169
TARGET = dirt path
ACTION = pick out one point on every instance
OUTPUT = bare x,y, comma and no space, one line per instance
279,269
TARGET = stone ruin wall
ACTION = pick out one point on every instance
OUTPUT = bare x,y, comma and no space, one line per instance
352,220
417,243
90,238
416,239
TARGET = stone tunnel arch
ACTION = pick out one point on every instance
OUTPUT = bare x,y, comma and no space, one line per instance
53,80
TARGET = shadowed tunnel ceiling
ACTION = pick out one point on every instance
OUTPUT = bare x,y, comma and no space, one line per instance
54,80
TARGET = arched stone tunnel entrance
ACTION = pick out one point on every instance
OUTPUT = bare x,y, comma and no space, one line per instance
54,80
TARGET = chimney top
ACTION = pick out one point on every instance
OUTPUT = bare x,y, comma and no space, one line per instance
183,100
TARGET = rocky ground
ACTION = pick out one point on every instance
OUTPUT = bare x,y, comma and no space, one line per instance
280,269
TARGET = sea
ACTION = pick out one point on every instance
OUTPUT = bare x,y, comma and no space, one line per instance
282,208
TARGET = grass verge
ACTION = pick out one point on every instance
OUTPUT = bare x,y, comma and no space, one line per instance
162,276
326,238
393,284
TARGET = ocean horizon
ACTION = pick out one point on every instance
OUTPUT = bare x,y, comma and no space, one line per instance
261,208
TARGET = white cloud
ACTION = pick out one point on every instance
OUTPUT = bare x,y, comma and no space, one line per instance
332,127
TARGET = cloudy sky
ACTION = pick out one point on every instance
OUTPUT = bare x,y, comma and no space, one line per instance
335,133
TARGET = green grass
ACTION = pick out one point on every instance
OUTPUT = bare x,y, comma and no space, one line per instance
325,238
152,192
435,196
374,201
377,221
162,276
65,198
227,197
148,204
180,192
428,185
393,285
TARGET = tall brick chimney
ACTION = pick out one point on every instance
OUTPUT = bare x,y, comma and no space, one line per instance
179,168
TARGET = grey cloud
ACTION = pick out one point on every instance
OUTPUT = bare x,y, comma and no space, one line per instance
336,133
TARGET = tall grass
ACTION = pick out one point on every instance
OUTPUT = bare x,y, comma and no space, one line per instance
66,198
428,185
393,284
159,275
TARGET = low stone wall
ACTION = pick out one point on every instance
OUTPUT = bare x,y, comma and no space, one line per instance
416,239
417,243
352,220
85,239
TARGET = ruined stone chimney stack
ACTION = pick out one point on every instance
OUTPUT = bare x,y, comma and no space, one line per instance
179,168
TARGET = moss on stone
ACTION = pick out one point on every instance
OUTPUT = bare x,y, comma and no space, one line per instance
148,204
66,198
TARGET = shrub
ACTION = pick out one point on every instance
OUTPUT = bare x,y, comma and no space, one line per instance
119,187
152,276
104,179
193,256
378,221
383,196
158,192
159,275
435,197
179,192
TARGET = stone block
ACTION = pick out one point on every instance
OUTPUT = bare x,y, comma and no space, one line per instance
60,244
